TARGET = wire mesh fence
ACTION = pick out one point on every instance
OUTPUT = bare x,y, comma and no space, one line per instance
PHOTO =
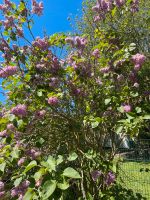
134,168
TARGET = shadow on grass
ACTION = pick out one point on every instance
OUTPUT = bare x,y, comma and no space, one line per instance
121,193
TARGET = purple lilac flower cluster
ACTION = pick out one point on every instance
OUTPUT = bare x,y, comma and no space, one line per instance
4,133
53,101
33,154
21,161
41,43
77,42
20,190
2,191
20,110
37,8
127,108
7,4
110,178
40,114
96,174
8,71
138,60
96,53
134,6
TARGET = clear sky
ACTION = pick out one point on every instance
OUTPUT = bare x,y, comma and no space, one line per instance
54,18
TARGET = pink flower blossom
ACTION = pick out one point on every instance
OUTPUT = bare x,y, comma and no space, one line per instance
2,193
127,108
14,192
70,40
56,64
96,8
20,197
21,161
120,78
76,91
97,18
2,7
1,186
39,182
105,70
19,31
106,5
25,184
120,63
110,178
136,85
80,42
96,174
8,2
53,82
37,8
33,153
137,67
96,53
138,60
77,41
99,81
9,22
132,76
41,43
8,71
53,101
3,133
135,6
119,3
20,110
41,113
1,146
10,127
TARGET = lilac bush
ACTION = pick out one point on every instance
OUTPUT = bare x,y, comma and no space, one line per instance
61,110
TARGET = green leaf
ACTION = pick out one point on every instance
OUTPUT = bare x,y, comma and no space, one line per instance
107,101
29,194
118,129
146,117
39,93
132,46
138,109
21,6
120,109
94,124
48,189
90,154
30,166
71,173
17,181
59,160
2,166
129,116
15,153
63,186
134,94
27,77
39,174
72,156
11,117
51,163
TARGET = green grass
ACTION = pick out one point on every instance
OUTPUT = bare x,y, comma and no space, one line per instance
132,177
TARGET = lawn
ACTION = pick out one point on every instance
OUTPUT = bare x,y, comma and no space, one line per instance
135,176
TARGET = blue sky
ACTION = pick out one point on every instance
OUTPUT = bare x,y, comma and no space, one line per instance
54,18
